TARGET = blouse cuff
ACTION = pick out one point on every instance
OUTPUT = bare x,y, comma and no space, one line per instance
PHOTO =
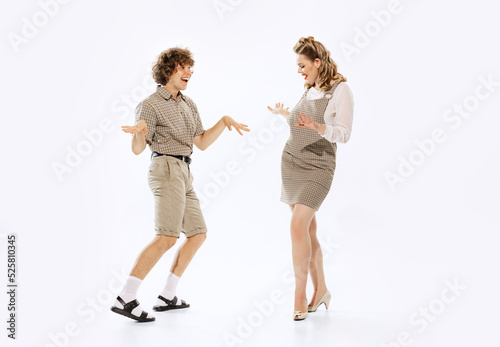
336,134
328,132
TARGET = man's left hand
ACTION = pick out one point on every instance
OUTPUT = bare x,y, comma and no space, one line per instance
230,123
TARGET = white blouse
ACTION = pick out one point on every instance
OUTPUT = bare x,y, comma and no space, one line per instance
338,114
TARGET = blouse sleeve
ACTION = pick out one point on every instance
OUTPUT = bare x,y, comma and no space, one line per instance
339,115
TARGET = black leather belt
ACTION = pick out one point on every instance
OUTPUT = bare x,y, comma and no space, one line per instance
180,157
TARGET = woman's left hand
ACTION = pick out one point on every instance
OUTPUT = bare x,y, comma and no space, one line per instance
306,122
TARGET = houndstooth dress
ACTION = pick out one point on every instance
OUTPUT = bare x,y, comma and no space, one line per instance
308,159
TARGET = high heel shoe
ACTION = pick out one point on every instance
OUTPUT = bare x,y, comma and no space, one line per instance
299,315
324,300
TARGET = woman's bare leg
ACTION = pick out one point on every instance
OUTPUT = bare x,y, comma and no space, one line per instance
301,251
316,265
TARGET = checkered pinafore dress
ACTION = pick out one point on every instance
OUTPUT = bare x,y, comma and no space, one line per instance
308,160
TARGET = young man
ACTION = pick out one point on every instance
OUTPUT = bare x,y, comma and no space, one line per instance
168,121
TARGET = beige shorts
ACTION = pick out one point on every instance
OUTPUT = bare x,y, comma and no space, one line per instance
177,208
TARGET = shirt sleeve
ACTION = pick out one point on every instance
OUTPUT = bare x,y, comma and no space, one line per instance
339,116
146,113
199,125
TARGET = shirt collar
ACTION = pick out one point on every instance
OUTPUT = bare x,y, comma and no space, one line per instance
166,94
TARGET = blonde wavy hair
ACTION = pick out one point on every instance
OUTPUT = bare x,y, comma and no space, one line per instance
328,72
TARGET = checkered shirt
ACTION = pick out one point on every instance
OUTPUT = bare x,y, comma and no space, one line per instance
172,124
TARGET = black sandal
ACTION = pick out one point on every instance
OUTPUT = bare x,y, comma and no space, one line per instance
170,304
128,308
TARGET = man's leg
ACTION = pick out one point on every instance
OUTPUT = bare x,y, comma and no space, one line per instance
151,254
182,259
167,186
186,252
193,224
143,265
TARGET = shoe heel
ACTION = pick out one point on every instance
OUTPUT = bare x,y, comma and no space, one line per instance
327,300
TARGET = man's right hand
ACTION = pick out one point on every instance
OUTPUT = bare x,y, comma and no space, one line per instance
135,129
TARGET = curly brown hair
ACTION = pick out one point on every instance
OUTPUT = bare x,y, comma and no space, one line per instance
313,49
167,63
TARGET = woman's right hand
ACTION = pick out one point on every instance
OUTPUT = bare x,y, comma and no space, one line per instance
135,129
280,109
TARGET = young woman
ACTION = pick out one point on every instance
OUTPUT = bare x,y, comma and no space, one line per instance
322,118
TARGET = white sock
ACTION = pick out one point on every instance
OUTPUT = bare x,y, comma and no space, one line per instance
129,293
170,289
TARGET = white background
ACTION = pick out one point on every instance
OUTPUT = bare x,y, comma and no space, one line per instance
389,253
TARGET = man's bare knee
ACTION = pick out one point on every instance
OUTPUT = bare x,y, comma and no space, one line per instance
198,238
166,242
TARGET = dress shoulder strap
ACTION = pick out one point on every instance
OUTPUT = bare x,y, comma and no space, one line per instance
332,90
